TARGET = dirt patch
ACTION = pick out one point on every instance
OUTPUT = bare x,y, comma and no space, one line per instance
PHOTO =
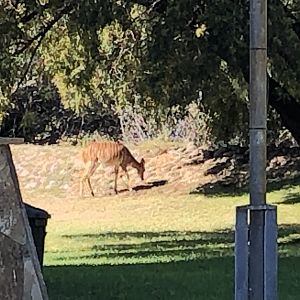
180,170
57,169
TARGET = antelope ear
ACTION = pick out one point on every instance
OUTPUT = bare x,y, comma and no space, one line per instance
142,161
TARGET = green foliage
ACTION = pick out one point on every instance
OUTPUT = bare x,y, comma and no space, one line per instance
38,114
111,76
157,55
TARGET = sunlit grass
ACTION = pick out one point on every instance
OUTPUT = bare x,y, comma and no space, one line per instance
187,228
175,247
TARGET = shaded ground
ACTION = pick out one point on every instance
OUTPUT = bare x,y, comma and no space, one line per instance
206,269
210,279
231,170
207,279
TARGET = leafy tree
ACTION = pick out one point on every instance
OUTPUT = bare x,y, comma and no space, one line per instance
157,54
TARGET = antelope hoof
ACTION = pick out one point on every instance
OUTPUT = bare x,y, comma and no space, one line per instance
92,193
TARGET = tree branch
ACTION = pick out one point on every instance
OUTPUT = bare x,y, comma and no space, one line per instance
31,15
39,38
29,64
296,25
44,31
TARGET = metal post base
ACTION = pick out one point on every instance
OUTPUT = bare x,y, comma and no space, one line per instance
250,265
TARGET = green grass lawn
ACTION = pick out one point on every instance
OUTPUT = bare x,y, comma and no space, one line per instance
183,251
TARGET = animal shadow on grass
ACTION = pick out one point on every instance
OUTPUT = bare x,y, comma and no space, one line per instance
147,186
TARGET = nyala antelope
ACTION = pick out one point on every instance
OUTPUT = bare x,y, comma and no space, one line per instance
112,154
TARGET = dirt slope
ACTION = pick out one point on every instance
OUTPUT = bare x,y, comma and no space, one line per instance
57,169
173,169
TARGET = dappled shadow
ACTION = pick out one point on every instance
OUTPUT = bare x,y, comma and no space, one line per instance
232,173
168,245
291,198
221,188
285,230
176,281
221,235
182,245
199,261
225,187
147,265
278,184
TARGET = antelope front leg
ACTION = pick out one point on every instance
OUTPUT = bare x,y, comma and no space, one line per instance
128,181
83,179
116,179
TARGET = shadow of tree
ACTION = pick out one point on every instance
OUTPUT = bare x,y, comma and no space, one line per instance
291,198
285,230
183,245
181,280
220,236
233,176
163,245
209,264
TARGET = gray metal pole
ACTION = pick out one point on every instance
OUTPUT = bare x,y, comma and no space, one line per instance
258,117
258,100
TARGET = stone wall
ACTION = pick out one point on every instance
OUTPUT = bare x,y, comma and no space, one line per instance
20,273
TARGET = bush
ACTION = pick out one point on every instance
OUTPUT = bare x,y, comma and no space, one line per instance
188,124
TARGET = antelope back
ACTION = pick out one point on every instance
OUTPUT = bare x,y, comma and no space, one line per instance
107,152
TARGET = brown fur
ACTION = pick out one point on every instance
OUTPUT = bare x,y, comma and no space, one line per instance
108,153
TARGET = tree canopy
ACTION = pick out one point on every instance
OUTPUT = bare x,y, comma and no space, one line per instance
158,56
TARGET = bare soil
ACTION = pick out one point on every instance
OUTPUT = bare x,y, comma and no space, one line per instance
57,169
49,179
